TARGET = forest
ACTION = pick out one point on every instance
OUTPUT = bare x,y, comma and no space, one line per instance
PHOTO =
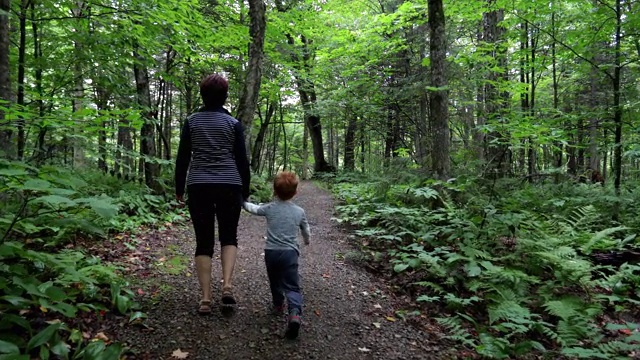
485,155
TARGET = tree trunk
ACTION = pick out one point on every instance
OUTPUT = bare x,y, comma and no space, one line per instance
251,91
39,152
101,100
147,133
22,47
617,107
168,116
306,89
5,81
256,152
497,150
305,153
350,141
438,97
78,92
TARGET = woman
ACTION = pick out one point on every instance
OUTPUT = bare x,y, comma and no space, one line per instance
212,149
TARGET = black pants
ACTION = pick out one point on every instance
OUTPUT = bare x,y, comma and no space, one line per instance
208,202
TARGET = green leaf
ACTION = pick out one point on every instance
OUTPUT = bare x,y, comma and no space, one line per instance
113,352
8,348
137,315
14,357
14,319
61,349
36,185
16,300
93,350
43,336
123,304
13,172
55,293
55,200
44,353
101,206
400,267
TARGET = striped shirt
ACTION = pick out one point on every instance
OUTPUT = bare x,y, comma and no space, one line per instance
212,151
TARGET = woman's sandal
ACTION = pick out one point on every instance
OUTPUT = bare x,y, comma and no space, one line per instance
227,297
205,307
228,302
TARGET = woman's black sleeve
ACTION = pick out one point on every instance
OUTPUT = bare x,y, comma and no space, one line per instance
240,154
183,159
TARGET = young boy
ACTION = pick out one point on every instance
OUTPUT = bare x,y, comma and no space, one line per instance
284,218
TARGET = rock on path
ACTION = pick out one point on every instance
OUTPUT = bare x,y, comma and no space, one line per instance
345,314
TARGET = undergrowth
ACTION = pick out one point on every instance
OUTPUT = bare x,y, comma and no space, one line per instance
50,288
513,270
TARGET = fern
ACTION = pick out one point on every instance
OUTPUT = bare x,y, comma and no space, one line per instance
511,311
599,236
455,330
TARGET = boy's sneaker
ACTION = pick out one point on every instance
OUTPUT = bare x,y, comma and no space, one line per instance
293,327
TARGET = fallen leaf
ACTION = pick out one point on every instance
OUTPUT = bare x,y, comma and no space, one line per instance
43,309
377,325
364,349
350,293
377,306
317,312
101,336
365,293
179,354
326,276
391,318
140,292
86,335
625,331
188,274
24,311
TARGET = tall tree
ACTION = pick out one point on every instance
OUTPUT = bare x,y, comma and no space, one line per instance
438,95
5,70
302,58
251,90
497,149
147,133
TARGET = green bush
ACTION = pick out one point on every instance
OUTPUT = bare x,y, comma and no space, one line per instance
512,263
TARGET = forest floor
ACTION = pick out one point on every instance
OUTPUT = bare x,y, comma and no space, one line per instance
348,312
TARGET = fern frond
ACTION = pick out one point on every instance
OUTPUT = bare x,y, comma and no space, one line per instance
511,311
456,331
564,308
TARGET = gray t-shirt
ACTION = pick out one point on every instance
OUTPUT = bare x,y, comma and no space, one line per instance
284,221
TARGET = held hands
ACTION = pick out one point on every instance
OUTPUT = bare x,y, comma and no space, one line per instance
180,200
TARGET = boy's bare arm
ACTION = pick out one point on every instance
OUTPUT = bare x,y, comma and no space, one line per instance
304,228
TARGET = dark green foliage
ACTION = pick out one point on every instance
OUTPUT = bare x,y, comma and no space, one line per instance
46,287
515,263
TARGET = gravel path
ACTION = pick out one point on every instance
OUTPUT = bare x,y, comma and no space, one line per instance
348,313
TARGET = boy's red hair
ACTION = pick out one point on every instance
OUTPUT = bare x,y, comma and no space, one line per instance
285,185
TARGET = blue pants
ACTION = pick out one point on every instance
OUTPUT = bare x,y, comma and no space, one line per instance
284,280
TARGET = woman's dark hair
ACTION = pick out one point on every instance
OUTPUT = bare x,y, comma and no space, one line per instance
214,90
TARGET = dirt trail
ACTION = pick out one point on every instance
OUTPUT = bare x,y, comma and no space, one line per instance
345,314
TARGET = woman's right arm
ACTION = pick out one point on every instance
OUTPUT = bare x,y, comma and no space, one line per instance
183,159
